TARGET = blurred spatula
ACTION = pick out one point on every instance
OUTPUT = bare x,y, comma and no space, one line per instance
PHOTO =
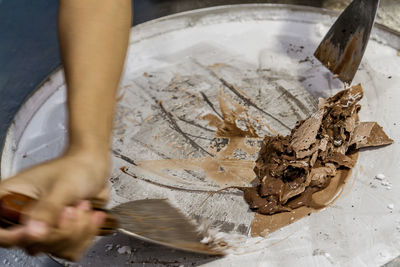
344,45
153,220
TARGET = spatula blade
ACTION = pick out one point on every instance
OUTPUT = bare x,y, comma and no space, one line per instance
344,45
157,221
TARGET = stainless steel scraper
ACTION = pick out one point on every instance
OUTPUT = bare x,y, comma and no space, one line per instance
344,45
153,220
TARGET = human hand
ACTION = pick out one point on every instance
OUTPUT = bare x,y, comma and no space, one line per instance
62,222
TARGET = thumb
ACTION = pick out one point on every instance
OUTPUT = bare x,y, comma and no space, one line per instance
46,213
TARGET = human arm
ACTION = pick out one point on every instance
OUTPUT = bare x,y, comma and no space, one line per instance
93,41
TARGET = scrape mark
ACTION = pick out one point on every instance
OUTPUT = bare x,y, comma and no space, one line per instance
176,127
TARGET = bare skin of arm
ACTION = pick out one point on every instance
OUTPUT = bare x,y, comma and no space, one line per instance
94,36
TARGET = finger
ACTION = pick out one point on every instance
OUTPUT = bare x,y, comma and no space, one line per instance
86,227
68,215
74,235
73,223
46,213
98,218
56,235
84,206
11,237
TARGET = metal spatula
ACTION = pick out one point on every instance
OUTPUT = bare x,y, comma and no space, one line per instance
153,220
344,45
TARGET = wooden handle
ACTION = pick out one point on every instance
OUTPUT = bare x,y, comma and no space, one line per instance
13,207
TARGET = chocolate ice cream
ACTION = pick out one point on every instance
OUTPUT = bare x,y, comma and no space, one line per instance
291,168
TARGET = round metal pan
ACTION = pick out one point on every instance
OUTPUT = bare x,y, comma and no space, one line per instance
174,74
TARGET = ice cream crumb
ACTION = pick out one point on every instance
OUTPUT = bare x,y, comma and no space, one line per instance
109,247
206,240
125,250
384,182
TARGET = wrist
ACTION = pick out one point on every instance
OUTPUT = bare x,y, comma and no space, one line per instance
88,145
91,154
90,149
